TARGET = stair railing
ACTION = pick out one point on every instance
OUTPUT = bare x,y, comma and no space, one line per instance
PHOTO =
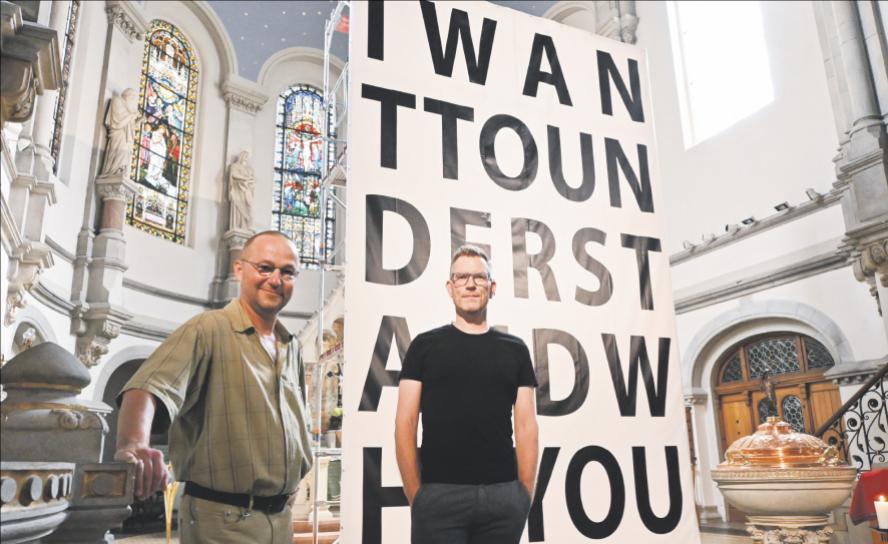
859,429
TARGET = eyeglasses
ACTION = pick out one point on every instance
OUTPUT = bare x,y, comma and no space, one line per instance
265,270
461,279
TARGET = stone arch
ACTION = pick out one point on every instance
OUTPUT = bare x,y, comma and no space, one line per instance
756,318
308,55
118,360
576,13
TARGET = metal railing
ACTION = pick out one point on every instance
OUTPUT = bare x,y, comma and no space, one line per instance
859,429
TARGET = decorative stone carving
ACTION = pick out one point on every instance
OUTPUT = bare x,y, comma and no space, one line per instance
45,422
241,179
617,20
124,16
99,326
25,265
120,120
243,96
30,64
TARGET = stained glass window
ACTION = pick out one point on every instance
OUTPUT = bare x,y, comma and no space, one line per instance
774,355
792,413
733,372
55,141
818,356
162,152
300,153
766,410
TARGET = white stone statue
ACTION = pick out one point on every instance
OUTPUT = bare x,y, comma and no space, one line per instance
123,112
241,179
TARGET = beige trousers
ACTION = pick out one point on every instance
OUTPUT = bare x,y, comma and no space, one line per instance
208,522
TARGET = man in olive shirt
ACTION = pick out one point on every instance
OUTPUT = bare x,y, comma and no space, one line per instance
231,382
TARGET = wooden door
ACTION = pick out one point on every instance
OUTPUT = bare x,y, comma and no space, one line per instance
791,410
736,423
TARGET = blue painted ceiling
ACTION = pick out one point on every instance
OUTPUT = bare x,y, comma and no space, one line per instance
259,29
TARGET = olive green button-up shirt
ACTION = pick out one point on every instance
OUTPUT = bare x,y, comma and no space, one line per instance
238,417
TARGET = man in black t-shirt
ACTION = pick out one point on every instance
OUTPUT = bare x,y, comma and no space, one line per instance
466,378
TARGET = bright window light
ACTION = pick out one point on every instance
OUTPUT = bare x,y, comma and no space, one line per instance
721,64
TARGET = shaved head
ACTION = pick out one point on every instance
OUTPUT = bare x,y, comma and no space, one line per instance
252,240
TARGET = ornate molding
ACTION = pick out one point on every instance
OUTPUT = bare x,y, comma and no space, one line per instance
126,17
115,187
30,64
73,420
95,328
244,96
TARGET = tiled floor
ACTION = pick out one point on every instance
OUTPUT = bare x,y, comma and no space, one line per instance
706,538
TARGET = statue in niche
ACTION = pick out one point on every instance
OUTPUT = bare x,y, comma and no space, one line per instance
241,179
123,113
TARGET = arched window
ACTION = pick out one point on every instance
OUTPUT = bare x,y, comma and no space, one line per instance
300,153
162,152
55,142
777,355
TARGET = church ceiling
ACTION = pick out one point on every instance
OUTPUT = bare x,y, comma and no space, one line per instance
260,29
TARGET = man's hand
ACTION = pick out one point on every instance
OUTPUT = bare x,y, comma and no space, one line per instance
151,472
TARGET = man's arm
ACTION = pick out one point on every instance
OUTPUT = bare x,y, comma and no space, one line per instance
406,422
133,433
526,439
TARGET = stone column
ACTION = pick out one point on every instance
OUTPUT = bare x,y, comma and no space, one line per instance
616,19
244,100
99,321
99,265
30,67
850,35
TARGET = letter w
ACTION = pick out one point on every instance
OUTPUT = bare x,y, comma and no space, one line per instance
638,356
459,29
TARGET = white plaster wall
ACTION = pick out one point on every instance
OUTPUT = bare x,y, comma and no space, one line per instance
765,159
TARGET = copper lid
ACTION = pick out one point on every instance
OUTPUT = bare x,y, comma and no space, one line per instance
775,444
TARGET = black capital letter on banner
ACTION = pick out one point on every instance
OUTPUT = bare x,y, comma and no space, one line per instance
521,261
459,218
377,375
542,338
605,283
606,527
488,152
607,72
419,257
584,191
641,189
459,30
375,29
541,43
389,100
642,244
536,531
449,114
376,497
656,394
654,523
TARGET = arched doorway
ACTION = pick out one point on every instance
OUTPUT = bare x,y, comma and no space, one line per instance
796,363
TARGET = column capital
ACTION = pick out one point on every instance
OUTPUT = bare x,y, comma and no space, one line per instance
115,187
127,17
243,95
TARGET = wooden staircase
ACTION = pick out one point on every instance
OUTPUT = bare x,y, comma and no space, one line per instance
328,531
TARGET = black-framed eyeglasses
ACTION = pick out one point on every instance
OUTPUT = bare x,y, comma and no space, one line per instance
265,270
461,279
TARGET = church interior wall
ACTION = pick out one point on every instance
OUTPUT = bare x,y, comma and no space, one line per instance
767,158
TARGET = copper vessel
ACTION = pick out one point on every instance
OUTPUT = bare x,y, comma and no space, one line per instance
775,444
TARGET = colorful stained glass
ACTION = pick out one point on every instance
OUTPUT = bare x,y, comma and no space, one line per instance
162,151
300,153
55,142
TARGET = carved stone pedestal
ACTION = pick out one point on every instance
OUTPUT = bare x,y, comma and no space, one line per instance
46,428
789,529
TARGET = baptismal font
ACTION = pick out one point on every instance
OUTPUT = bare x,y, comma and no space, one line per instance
786,483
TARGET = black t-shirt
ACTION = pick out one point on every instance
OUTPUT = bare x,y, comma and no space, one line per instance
469,385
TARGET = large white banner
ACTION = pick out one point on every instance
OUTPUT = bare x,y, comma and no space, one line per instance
469,122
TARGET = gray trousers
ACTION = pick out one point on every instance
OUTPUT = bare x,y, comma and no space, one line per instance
469,514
